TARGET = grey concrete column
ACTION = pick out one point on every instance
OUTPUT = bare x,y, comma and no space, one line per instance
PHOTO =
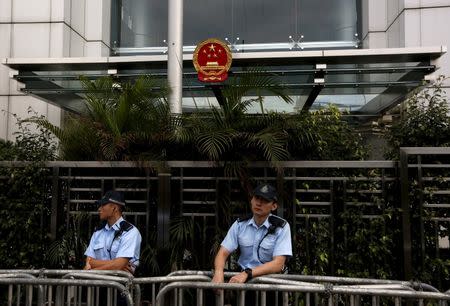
175,55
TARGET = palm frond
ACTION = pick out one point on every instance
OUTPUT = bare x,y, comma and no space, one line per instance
272,144
215,143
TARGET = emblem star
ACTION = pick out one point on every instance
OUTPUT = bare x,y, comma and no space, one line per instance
212,48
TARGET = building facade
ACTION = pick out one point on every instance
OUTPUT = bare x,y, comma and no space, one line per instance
34,33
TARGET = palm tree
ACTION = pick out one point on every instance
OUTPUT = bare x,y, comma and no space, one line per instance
118,119
229,133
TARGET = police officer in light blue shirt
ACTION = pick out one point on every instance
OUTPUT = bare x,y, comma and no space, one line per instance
264,240
116,244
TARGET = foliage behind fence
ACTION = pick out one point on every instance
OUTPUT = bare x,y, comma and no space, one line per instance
346,216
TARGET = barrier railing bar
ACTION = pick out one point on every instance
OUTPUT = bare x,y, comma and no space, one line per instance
68,282
397,294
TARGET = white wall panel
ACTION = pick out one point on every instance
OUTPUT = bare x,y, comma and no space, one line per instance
5,10
393,10
395,33
31,11
5,40
377,15
3,117
67,40
4,80
376,40
57,40
106,51
431,3
106,22
413,28
93,49
76,45
30,40
57,10
77,20
67,10
435,25
93,20
364,18
411,3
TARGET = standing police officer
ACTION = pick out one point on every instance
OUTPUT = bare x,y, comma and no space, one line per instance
116,244
264,240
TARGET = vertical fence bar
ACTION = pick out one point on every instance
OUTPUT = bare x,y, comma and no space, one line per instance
18,295
421,210
10,295
406,222
54,209
374,301
241,298
180,297
263,298
163,211
285,298
153,294
199,297
220,298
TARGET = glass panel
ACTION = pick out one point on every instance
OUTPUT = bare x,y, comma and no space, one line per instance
263,21
143,23
327,20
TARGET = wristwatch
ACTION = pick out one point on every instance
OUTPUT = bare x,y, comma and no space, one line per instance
249,273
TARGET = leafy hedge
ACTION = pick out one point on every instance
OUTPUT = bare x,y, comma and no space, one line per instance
24,198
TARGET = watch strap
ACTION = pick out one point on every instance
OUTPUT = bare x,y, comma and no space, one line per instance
249,273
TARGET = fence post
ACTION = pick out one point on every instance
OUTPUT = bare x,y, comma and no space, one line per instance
163,209
54,208
406,222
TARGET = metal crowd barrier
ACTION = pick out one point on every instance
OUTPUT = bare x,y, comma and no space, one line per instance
65,287
82,288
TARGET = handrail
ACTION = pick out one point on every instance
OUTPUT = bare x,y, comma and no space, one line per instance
69,282
328,290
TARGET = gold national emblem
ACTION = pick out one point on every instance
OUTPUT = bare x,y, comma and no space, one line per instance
212,60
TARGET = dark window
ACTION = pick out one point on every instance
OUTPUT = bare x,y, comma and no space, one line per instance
143,23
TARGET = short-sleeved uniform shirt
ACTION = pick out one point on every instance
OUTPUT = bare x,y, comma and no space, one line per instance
103,245
248,236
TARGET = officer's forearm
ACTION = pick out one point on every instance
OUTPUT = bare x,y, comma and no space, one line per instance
119,263
271,267
221,258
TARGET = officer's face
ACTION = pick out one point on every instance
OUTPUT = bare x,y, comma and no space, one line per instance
106,211
262,207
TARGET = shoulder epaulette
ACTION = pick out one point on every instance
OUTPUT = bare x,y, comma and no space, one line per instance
244,218
100,226
277,221
125,226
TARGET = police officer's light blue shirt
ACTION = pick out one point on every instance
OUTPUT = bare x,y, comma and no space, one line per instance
247,235
103,245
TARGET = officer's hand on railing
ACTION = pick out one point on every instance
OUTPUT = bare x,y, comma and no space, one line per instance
218,278
88,265
239,278
129,268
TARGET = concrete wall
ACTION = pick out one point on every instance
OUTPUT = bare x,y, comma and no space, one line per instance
43,29
407,23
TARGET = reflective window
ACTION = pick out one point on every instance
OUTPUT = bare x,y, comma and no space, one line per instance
143,23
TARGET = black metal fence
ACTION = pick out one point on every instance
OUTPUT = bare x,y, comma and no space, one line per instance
315,197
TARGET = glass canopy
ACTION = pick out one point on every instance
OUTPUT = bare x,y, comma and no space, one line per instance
363,82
